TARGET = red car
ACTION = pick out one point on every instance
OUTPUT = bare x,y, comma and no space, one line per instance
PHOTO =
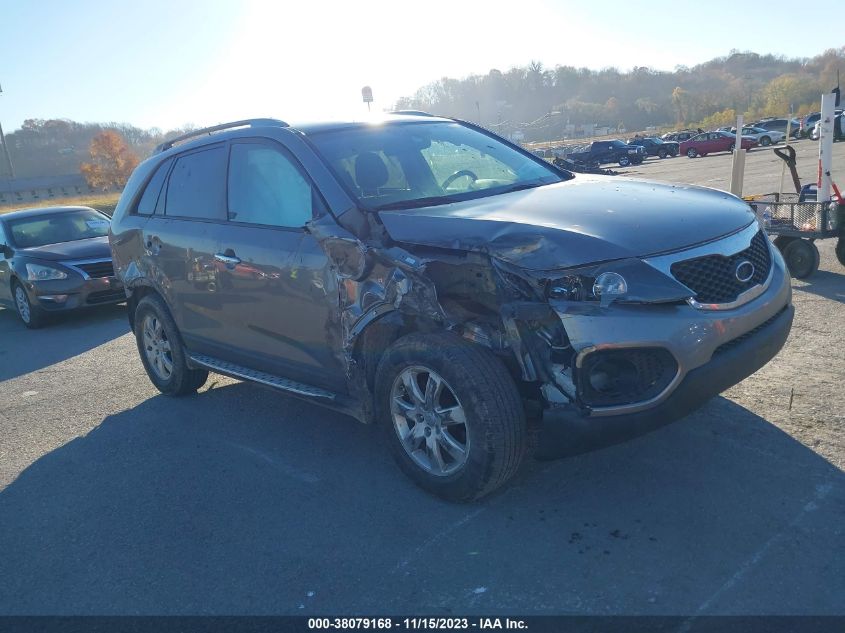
711,142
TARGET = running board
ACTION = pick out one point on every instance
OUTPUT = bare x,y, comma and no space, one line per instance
236,371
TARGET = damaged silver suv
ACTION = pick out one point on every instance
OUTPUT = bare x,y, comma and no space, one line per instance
428,276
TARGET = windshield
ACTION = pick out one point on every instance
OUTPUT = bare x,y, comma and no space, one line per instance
407,165
64,226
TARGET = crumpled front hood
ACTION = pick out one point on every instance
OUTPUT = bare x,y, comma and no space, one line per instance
581,221
90,248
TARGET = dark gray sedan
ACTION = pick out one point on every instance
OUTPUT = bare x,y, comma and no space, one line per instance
55,259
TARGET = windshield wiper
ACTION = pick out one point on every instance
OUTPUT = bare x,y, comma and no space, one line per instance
521,186
418,202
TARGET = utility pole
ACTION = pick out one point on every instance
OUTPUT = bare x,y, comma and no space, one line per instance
6,149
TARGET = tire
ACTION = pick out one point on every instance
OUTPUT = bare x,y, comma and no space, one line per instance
31,315
765,141
692,152
840,250
162,339
474,382
782,241
662,153
624,161
637,161
733,147
802,258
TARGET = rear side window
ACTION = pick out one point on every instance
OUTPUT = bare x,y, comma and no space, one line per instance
149,199
197,185
266,187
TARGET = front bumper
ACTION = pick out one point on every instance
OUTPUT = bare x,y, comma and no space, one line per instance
61,295
567,433
714,350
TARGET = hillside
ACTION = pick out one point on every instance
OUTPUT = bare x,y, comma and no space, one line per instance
540,101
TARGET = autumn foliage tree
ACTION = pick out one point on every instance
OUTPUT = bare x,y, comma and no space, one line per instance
111,163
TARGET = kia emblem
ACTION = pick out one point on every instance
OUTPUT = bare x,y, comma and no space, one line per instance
744,271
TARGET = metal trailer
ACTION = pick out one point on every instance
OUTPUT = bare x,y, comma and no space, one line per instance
796,221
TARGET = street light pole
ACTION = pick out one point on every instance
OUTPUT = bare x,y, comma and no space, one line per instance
6,149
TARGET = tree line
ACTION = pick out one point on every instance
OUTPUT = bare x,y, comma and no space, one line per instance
58,147
540,101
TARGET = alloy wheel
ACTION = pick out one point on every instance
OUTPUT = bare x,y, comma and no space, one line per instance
22,304
429,420
157,347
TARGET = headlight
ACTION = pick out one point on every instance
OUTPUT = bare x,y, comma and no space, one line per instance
629,280
36,272
586,285
610,284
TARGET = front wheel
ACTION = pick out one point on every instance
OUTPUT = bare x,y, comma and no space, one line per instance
733,147
32,315
624,161
765,141
662,153
161,350
451,414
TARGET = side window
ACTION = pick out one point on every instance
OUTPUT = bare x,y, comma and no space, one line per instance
265,187
149,199
197,185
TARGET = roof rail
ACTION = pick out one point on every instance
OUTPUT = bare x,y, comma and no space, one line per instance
412,112
217,128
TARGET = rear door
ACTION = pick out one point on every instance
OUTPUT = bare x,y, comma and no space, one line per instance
181,238
277,297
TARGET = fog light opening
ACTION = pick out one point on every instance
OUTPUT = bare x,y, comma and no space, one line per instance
614,377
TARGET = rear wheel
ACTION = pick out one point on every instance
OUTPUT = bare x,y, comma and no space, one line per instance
662,153
451,414
624,161
802,258
765,141
32,316
733,146
692,152
161,350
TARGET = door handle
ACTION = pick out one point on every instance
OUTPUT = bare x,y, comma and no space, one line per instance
229,260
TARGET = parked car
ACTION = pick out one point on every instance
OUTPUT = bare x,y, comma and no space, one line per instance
55,259
762,136
604,152
780,125
433,278
809,122
712,142
656,146
838,128
680,136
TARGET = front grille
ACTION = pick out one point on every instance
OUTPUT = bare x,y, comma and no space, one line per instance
97,269
106,296
713,278
618,377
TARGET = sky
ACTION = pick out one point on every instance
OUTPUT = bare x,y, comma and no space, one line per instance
168,63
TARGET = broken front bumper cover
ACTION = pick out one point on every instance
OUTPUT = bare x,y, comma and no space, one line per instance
564,432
